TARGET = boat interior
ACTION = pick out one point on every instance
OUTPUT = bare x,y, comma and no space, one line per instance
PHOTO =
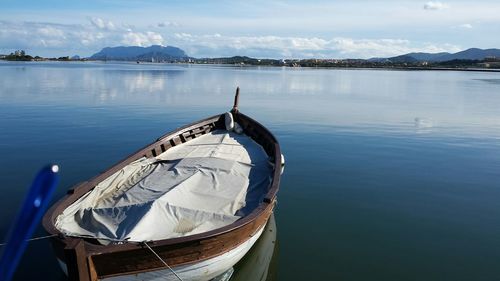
200,180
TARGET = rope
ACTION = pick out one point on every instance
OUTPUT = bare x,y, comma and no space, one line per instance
132,242
146,244
125,240
34,239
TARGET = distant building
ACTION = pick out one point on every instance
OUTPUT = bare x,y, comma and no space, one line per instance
490,64
19,53
2,57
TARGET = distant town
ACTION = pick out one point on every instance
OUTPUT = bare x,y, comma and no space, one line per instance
487,63
20,55
471,59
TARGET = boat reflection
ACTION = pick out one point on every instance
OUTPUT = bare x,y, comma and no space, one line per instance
260,263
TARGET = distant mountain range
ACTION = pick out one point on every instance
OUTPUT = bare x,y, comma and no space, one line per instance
134,53
469,54
158,53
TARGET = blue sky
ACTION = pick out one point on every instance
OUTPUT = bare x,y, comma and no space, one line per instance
264,29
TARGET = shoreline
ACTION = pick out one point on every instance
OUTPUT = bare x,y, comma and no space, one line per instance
398,68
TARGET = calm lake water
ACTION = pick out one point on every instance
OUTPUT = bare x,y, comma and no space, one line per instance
390,175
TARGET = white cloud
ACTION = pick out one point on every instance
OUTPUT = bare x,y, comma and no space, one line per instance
85,39
89,38
301,47
142,38
168,24
102,24
435,5
466,26
50,39
51,31
29,35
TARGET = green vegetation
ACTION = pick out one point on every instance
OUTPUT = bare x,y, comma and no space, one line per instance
19,55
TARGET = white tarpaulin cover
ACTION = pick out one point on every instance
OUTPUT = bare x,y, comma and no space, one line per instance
200,185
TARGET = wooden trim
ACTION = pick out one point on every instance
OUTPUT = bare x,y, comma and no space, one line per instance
142,260
76,261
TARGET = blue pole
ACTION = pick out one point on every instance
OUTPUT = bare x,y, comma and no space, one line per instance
32,210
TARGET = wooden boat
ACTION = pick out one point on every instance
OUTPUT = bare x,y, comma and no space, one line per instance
149,253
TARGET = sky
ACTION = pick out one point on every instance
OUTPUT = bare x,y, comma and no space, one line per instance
261,29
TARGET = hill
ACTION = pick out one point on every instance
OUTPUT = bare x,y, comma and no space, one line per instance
427,56
469,54
134,53
472,54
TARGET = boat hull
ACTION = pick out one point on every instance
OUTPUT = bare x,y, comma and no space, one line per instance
200,271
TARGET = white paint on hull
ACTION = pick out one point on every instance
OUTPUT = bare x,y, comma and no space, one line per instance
201,271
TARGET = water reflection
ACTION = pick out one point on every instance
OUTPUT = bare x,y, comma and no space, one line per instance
381,100
423,125
493,81
396,162
259,264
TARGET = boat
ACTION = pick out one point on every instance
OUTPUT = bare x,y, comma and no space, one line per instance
188,206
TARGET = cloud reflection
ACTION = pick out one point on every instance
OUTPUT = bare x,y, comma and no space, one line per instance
363,100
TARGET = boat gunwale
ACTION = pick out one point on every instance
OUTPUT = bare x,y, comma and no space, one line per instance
80,189
155,265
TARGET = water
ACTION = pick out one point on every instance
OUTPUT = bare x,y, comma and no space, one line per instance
390,175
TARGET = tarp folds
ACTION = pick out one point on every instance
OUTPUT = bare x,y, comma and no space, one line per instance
198,186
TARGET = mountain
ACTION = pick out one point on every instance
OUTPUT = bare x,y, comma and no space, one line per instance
427,56
472,54
469,54
135,53
403,59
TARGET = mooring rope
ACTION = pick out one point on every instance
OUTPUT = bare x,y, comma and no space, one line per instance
123,240
132,242
146,244
34,239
